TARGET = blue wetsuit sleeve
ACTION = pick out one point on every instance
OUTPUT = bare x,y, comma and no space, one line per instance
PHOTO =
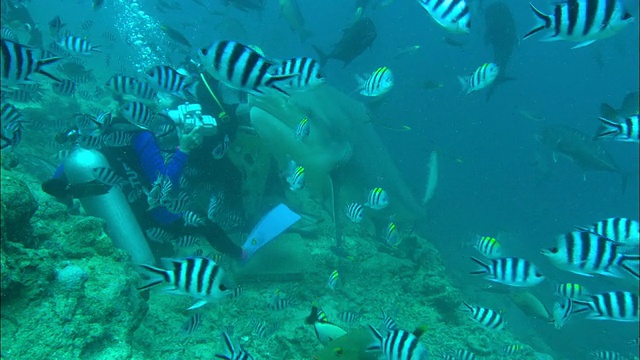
59,173
151,161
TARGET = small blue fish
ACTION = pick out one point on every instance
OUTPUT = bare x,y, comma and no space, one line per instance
303,130
355,212
392,236
296,178
333,279
377,199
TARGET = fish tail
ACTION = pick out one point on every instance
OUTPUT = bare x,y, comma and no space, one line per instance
154,270
634,269
485,268
544,17
464,83
608,128
45,62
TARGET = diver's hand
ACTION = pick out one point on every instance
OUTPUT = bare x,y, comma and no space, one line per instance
191,140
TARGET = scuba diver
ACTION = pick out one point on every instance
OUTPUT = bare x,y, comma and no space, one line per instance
130,184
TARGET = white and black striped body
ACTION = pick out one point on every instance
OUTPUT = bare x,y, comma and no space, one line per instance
19,62
388,323
239,354
618,229
129,86
627,130
199,277
510,271
488,246
583,21
482,77
377,199
398,345
167,79
65,87
571,291
306,71
108,176
562,311
78,45
378,83
615,305
452,15
606,355
137,113
586,253
240,67
486,317
463,354
355,212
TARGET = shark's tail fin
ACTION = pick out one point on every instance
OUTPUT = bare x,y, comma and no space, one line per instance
323,56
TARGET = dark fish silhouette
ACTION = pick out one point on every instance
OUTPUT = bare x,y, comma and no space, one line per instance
588,154
356,38
629,107
500,34
246,5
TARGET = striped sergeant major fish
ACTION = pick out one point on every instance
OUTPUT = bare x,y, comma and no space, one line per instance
126,85
582,21
464,354
399,344
571,291
586,253
510,271
355,212
78,45
377,84
19,62
296,176
606,355
618,229
488,246
627,130
306,73
614,305
199,277
234,354
303,129
486,317
240,67
167,79
377,199
452,15
482,77
562,311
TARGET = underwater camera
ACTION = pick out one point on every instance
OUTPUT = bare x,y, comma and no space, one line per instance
188,116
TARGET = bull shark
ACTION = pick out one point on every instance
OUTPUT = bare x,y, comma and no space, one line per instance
588,154
500,34
356,38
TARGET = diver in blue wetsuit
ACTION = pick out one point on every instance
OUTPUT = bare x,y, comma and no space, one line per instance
143,158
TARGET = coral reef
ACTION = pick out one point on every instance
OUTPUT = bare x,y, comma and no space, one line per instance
67,293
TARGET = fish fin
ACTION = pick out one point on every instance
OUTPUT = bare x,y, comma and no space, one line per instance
150,284
323,56
607,111
632,270
96,48
583,44
45,62
198,304
273,86
485,268
464,83
542,16
608,128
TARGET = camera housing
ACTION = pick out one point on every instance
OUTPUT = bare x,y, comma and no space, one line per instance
189,116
